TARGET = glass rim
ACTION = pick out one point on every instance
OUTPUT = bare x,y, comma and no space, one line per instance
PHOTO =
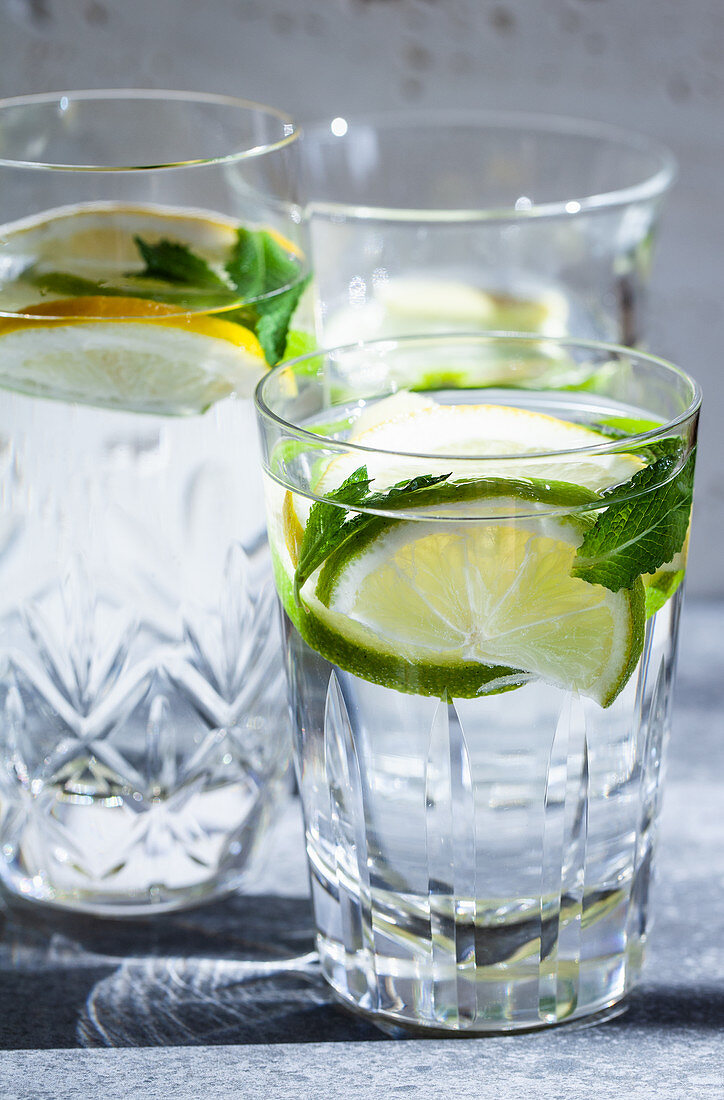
612,446
542,124
291,129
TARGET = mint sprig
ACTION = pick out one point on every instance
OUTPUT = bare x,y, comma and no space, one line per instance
175,263
331,533
643,526
259,271
275,315
330,525
258,266
246,266
178,294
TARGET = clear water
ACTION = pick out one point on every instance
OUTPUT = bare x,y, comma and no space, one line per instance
481,864
142,733
143,736
586,275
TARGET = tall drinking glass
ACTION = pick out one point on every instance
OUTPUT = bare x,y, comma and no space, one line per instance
436,221
481,590
150,262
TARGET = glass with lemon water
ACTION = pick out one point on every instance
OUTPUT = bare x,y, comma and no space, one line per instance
480,589
144,738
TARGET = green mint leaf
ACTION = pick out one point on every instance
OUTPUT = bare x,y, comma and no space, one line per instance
58,282
321,535
176,263
638,535
280,269
329,526
246,265
301,343
258,266
185,297
659,448
623,427
661,589
670,445
275,315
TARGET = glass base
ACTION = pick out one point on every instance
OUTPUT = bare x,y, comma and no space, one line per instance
403,1029
447,1001
146,879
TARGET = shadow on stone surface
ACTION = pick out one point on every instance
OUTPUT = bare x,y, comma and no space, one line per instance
700,1007
242,970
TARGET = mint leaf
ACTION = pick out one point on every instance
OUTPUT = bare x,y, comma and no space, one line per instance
329,526
649,451
176,263
258,266
58,282
661,589
280,268
638,535
275,315
246,265
185,297
321,535
299,343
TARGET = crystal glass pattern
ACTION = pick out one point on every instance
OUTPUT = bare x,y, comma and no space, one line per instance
480,856
143,731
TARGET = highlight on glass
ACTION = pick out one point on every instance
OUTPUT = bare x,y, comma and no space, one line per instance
481,220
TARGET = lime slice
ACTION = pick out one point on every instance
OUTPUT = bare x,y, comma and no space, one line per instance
472,607
449,602
476,431
93,350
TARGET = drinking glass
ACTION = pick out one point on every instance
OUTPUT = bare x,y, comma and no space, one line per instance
150,260
465,220
481,590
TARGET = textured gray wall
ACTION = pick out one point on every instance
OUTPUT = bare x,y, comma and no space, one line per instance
653,65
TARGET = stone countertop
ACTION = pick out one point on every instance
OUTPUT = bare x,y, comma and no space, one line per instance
207,1003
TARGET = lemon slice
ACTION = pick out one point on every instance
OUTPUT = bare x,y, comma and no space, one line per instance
95,241
416,304
475,607
460,605
476,431
128,353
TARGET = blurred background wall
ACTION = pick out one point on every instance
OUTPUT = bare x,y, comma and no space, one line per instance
651,65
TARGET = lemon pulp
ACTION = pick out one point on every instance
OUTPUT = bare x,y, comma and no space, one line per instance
116,349
467,605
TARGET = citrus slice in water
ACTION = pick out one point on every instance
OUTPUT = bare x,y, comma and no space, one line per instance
127,353
476,431
416,304
468,604
463,604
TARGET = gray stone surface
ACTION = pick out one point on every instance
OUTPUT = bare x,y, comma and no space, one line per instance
205,1004
652,65
562,1066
